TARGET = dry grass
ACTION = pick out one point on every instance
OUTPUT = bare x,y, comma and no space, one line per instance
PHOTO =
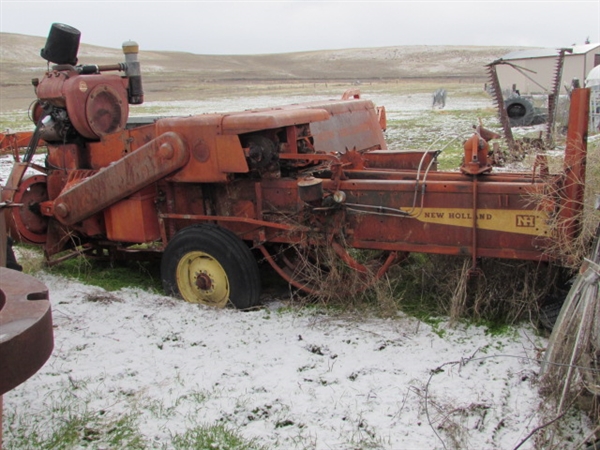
427,285
333,283
504,291
31,258
571,250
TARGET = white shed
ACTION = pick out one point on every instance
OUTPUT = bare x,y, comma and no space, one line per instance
534,71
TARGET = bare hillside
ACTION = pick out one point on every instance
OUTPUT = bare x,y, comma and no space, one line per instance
20,61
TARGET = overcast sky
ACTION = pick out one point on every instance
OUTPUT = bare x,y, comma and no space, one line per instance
256,27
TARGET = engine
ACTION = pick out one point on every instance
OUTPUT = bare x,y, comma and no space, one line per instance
76,101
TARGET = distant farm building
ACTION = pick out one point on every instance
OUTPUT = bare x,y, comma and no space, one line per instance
534,71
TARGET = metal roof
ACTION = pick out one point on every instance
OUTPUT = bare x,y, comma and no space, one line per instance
548,52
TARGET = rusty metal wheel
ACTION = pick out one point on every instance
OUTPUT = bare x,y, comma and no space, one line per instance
210,265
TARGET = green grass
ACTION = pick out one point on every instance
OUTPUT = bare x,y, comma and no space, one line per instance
87,430
15,121
73,417
443,130
69,423
209,437
66,428
112,276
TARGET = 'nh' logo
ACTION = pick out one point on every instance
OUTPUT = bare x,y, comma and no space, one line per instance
525,221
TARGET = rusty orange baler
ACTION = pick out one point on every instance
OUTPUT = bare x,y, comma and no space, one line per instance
211,190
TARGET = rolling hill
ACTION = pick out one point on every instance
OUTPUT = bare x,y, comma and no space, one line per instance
20,61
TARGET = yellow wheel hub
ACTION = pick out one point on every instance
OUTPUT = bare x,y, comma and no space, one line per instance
202,279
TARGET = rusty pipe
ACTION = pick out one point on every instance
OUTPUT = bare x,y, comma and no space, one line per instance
574,162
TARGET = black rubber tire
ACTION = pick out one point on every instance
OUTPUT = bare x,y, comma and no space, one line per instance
229,251
549,313
520,111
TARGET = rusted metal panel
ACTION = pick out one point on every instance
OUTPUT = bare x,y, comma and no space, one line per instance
339,124
441,220
212,155
66,156
401,160
247,122
137,170
110,149
354,125
113,147
203,164
133,219
11,142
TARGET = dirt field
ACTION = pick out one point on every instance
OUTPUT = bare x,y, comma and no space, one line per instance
177,76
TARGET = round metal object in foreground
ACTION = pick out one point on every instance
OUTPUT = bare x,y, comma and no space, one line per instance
26,337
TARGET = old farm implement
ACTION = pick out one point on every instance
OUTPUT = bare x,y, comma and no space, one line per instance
211,192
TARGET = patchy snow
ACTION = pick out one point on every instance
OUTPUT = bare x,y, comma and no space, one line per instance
397,106
290,379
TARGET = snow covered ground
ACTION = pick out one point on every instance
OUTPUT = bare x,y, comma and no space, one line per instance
286,378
